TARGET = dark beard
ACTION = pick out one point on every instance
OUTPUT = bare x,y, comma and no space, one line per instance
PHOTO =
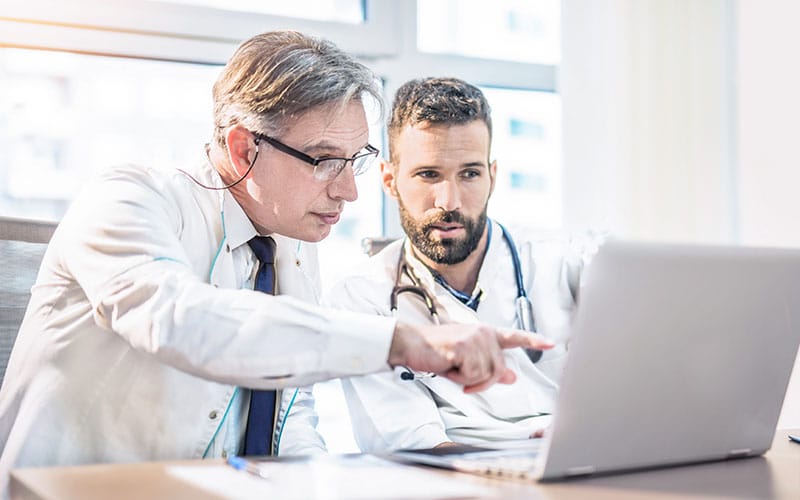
448,250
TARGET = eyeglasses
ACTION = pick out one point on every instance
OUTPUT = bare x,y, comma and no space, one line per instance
326,169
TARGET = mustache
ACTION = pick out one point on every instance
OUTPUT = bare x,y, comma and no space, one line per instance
439,217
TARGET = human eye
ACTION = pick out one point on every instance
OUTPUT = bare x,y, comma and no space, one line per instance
330,162
471,173
328,168
427,174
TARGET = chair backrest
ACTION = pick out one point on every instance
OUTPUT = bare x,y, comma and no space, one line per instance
22,246
371,246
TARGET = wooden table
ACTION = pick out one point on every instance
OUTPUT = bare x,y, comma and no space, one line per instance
775,475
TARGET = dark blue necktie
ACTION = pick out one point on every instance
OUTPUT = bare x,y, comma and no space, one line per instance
258,436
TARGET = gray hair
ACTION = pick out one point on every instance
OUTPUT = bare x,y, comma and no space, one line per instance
276,76
442,101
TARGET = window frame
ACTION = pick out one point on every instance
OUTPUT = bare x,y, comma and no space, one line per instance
160,30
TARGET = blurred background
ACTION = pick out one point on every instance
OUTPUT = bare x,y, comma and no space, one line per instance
669,120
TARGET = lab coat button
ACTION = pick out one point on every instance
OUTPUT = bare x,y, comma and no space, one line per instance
297,262
213,415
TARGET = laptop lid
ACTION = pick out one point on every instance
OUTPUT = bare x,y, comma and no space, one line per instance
679,354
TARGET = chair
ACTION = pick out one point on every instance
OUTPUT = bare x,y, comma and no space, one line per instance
22,246
371,246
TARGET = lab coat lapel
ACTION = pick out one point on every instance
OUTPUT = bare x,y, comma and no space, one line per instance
236,230
223,274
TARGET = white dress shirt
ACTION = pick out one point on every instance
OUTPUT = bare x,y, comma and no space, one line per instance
390,413
141,329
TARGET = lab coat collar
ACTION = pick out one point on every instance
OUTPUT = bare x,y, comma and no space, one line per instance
498,250
423,272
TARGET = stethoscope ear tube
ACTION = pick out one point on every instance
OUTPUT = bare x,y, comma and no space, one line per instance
523,303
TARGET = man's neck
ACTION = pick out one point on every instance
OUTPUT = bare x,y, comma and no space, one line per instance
464,275
219,160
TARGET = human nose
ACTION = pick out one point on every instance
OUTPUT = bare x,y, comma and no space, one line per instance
447,195
343,186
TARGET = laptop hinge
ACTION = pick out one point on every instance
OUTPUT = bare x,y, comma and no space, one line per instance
743,452
581,471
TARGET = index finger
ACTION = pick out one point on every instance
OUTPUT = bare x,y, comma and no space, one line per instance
508,338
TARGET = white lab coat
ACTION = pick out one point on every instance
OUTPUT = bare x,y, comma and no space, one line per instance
389,413
138,334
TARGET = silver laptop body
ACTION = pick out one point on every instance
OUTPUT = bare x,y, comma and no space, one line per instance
679,354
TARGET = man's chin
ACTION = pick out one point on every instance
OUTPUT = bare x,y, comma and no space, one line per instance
310,236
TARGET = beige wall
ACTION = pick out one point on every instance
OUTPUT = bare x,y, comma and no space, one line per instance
648,128
768,132
682,123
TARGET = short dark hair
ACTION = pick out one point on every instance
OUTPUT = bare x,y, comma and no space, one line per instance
443,101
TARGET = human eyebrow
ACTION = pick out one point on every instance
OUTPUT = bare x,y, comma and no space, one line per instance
474,164
418,168
329,149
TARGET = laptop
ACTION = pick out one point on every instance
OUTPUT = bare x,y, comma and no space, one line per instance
679,354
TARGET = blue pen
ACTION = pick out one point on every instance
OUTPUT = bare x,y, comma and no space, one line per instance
796,439
245,465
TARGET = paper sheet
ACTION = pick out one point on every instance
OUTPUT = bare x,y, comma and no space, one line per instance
334,478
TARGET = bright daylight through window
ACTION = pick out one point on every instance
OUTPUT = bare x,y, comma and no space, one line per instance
131,82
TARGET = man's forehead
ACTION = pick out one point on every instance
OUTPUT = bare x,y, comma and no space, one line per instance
476,128
432,137
426,125
330,127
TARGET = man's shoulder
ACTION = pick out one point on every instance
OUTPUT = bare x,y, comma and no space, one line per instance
381,267
159,178
165,191
371,278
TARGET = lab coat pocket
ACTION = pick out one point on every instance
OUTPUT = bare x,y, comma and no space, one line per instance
552,363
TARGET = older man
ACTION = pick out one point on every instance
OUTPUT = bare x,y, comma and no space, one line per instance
144,335
456,265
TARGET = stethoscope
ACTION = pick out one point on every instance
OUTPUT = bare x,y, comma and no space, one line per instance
524,308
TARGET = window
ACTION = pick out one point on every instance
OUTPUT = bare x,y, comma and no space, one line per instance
526,143
348,11
65,116
515,30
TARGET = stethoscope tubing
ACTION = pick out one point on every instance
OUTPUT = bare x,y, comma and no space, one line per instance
523,306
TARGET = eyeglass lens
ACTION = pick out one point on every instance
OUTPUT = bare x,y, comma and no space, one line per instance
329,169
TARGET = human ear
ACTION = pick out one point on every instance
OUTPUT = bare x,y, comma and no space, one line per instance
241,148
492,175
389,178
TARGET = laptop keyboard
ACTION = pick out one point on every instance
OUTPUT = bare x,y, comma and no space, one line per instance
521,467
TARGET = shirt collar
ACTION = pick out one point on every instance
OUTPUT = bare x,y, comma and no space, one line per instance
237,226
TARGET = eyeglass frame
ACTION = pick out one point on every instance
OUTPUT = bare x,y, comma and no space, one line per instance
283,148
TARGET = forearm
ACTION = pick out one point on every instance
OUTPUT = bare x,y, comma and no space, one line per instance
238,336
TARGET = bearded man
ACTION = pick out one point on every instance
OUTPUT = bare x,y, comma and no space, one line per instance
456,265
